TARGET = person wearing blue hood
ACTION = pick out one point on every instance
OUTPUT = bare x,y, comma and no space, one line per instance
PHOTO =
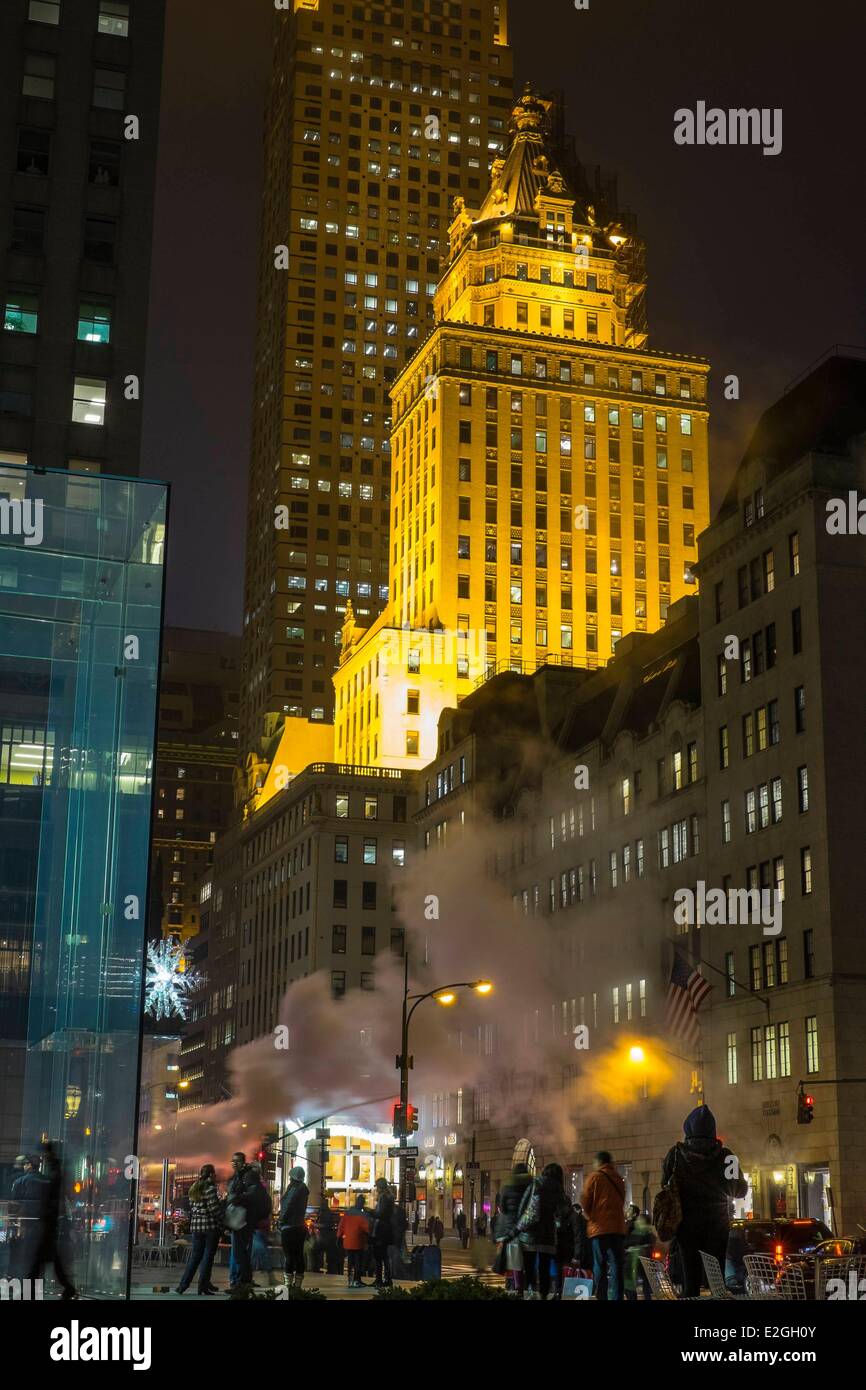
708,1177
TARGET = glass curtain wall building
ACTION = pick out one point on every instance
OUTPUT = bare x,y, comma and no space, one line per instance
81,603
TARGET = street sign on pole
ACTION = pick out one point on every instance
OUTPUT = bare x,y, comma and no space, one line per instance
323,1134
472,1165
409,1152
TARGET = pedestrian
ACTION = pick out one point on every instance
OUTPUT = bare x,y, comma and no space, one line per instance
43,1196
438,1230
509,1259
354,1231
461,1228
328,1257
431,1222
260,1254
544,1208
383,1233
639,1236
293,1226
707,1177
397,1250
603,1203
416,1222
247,1203
207,1211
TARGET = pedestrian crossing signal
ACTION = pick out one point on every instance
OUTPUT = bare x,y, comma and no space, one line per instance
805,1109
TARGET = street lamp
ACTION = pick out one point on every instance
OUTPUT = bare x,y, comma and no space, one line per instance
638,1056
445,995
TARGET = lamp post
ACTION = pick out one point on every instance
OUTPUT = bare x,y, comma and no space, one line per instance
637,1055
445,995
165,1178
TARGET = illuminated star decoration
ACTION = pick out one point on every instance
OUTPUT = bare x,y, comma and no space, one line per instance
167,985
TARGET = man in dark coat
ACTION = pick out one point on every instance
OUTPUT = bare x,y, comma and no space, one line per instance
42,1196
708,1177
243,1191
383,1232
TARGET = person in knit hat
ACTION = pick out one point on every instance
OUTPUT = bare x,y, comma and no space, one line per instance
293,1227
708,1178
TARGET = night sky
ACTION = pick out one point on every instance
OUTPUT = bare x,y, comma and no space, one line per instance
756,262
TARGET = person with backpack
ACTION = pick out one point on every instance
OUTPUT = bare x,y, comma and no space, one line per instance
292,1221
700,1178
544,1209
205,1224
247,1203
603,1203
510,1259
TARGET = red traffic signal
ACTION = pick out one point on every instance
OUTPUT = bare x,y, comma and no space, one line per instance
411,1119
805,1108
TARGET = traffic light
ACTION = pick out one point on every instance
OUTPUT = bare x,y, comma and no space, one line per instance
805,1107
398,1117
411,1119
267,1157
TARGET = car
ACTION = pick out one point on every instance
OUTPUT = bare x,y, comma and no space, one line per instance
782,1237
837,1247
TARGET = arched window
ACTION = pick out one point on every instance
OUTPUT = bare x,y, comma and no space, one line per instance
524,1153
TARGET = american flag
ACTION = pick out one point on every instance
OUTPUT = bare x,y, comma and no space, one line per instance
686,991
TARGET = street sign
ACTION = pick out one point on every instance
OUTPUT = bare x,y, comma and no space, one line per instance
472,1165
403,1153
323,1134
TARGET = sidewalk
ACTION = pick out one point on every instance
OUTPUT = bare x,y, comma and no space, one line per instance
148,1285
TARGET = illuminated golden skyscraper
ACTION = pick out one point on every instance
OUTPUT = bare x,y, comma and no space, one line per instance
378,115
549,470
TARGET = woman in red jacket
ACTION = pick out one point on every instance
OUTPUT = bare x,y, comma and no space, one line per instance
354,1231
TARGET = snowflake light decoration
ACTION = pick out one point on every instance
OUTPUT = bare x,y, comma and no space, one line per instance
167,985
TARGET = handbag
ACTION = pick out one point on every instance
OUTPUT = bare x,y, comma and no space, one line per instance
235,1217
513,1255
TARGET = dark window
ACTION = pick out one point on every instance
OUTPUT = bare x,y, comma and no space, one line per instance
796,632
800,709
104,163
809,954
34,151
338,941
100,236
368,941
28,231
341,892
368,894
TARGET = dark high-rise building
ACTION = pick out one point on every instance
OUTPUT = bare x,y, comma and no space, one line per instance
196,756
378,117
79,117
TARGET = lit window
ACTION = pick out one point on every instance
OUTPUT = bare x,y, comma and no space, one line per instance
44,11
88,401
114,18
22,313
94,323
